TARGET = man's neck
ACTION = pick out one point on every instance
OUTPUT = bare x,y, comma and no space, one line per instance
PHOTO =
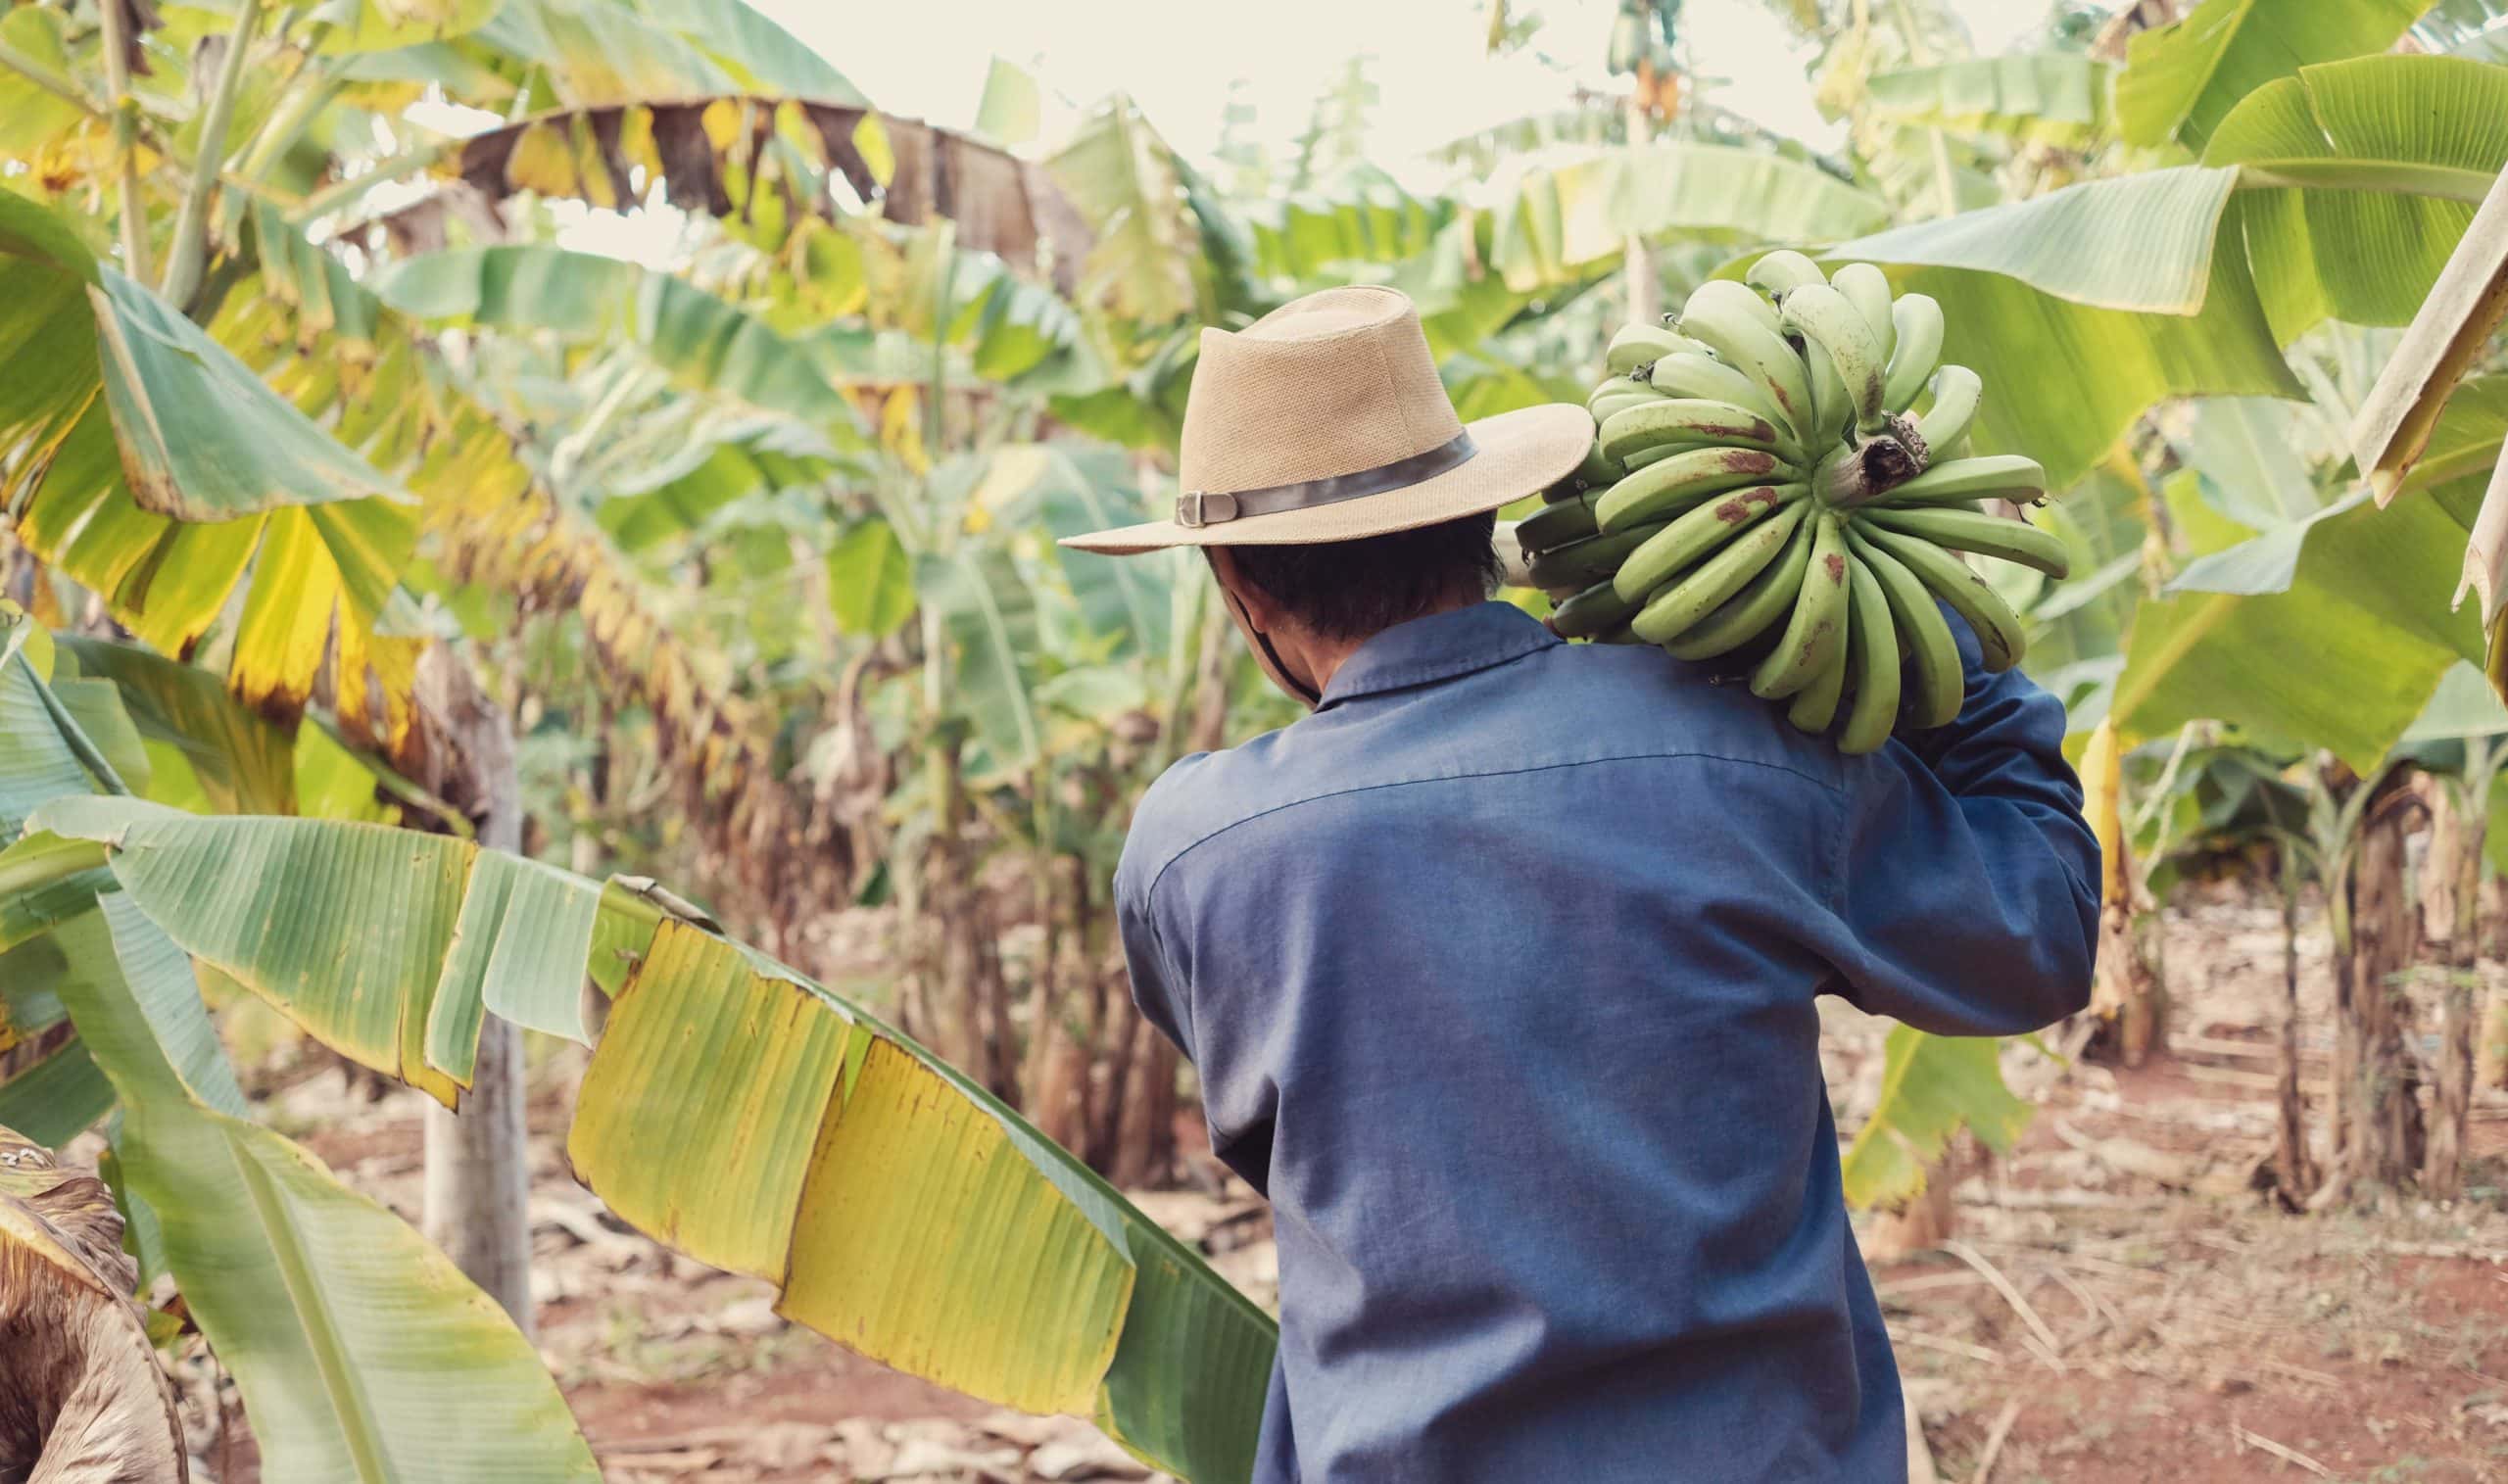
1321,658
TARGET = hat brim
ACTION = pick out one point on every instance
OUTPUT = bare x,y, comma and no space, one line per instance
1514,453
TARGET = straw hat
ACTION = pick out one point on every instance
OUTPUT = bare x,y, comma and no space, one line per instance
1323,420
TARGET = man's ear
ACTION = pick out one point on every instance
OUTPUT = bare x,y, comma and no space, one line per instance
1259,609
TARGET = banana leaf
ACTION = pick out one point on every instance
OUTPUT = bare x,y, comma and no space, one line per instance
2083,307
870,580
362,1353
1931,1088
739,1112
2357,180
156,469
1556,223
625,51
2182,79
704,342
360,25
238,761
2327,630
2057,97
1123,181
33,113
762,163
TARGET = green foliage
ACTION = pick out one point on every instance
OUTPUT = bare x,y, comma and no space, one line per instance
870,580
2055,98
1931,1088
2340,239
2182,80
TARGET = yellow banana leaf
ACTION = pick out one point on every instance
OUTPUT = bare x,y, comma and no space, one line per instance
733,1109
156,469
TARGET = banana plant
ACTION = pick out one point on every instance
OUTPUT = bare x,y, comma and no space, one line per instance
359,1350
897,1205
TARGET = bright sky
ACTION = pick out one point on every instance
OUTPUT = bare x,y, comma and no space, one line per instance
1178,59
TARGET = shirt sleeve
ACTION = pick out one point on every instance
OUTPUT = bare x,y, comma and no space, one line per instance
1970,879
1156,988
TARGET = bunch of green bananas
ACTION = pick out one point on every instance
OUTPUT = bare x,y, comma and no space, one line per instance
1761,486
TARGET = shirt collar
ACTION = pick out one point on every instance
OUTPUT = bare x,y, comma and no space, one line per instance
1439,646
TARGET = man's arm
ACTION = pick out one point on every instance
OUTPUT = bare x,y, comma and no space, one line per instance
1155,985
1971,887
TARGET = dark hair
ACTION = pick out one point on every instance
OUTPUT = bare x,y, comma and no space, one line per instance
1348,590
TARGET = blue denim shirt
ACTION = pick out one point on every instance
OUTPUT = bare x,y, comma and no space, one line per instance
1499,972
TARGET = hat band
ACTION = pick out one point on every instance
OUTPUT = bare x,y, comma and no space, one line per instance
1197,508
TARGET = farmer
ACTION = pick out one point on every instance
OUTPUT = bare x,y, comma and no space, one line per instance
1499,968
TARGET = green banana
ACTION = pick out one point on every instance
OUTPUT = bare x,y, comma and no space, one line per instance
1596,610
1582,563
1970,595
1621,386
1986,535
1704,377
1918,320
1738,325
1751,611
1555,525
1678,606
1872,644
1782,271
1815,705
1996,476
1656,455
1816,632
1828,319
1867,288
1956,391
1682,543
1638,345
1605,408
1672,485
1831,408
1599,470
1679,419
1941,683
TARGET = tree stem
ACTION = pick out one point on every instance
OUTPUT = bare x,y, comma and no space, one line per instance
134,223
191,224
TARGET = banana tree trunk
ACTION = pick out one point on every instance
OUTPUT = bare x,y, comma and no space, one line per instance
2295,1172
2490,940
478,1175
2130,985
1065,1015
1645,289
2386,1136
2454,874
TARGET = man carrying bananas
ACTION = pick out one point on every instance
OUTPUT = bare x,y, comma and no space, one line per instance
1499,969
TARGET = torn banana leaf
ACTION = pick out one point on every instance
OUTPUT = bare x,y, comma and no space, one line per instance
732,1109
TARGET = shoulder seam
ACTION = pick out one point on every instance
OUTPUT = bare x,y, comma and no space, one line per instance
1151,890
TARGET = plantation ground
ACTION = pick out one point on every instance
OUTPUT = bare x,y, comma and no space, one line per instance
2122,1308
